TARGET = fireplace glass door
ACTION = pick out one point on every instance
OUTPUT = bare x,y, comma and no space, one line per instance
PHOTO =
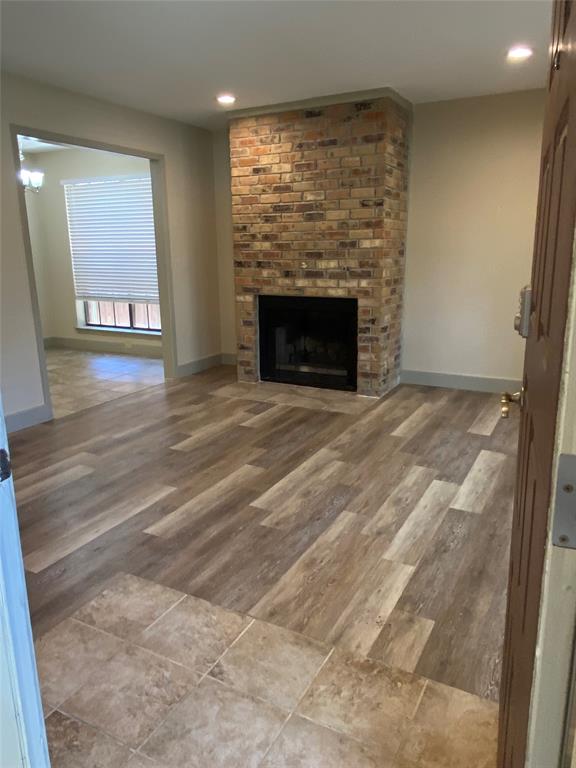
308,341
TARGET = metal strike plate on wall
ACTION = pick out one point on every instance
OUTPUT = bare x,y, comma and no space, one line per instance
564,526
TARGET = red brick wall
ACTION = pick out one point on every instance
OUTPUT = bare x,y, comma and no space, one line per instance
319,209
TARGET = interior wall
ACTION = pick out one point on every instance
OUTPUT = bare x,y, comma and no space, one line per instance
223,199
20,372
187,153
50,241
471,217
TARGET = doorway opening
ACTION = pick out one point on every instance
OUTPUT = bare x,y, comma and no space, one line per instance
92,234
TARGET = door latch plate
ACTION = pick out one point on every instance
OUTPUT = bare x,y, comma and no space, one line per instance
564,525
522,319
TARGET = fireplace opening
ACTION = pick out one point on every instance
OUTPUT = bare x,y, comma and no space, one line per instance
308,341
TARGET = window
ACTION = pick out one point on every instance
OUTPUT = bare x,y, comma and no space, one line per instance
122,314
113,247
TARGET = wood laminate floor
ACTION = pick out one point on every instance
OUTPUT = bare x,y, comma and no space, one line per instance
328,566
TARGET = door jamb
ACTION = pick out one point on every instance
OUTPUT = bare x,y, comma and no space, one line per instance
550,716
32,281
163,260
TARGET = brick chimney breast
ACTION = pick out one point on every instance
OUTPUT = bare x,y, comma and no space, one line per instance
319,206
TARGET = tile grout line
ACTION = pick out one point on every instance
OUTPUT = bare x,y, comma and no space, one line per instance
232,644
61,707
311,683
333,729
157,619
96,728
275,739
424,689
189,693
240,691
133,641
295,707
138,749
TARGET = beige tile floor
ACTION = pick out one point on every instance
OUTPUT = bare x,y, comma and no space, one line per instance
80,380
148,677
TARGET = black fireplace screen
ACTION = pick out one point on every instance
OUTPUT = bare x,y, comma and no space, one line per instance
308,341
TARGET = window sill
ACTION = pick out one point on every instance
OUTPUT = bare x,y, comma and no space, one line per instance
102,329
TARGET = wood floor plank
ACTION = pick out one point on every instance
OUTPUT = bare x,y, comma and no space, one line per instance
402,640
429,593
297,438
352,441
322,464
54,551
464,649
201,547
374,482
238,571
244,389
321,599
414,536
459,408
479,482
204,502
291,599
487,419
504,438
315,502
451,452
417,420
361,621
209,431
24,479
392,514
52,481
266,418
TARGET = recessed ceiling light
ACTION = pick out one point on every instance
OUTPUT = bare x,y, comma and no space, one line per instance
226,99
519,53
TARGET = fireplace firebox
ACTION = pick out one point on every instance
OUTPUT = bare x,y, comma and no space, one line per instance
309,341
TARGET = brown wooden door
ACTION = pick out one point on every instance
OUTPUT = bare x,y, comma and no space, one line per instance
551,270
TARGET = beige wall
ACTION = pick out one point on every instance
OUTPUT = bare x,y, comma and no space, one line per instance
223,199
50,241
187,154
471,215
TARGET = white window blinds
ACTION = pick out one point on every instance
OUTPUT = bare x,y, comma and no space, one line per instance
111,227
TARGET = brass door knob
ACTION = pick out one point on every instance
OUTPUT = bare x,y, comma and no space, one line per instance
508,398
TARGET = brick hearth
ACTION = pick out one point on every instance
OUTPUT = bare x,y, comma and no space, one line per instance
319,209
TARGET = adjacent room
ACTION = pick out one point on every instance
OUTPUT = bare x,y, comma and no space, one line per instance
90,220
286,332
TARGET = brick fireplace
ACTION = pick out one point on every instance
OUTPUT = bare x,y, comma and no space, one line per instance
319,210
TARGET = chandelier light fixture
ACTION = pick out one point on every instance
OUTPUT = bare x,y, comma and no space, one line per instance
31,180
